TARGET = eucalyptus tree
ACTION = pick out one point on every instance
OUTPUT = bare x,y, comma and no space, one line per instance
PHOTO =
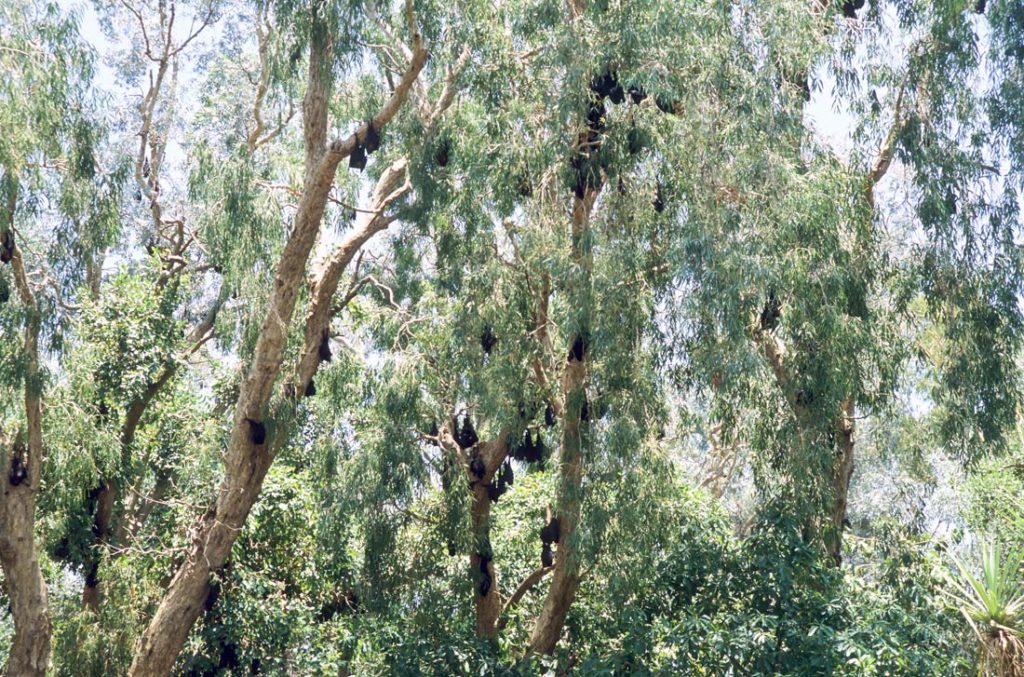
182,248
533,323
59,209
829,298
260,426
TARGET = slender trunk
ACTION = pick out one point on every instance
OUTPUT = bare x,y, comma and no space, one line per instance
108,491
565,579
105,497
19,484
841,481
247,462
486,589
26,589
488,607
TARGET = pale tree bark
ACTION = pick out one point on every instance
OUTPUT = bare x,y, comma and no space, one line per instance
722,460
247,462
19,485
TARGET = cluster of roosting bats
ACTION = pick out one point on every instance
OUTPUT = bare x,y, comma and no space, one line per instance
530,450
587,161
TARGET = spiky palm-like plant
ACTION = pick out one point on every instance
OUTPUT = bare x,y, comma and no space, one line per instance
992,605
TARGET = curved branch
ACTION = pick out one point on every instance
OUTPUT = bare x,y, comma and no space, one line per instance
524,587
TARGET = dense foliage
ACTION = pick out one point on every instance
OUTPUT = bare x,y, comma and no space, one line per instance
536,337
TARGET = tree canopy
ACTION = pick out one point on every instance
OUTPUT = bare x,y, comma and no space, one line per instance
534,337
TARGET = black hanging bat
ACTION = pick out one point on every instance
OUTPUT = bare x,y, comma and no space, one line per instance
607,85
212,596
18,471
850,8
523,186
467,436
488,340
549,415
551,531
595,117
357,160
7,246
485,580
659,199
478,467
372,141
771,312
441,154
257,432
325,346
579,348
547,559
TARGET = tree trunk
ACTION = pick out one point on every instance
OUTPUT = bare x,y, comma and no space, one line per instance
23,578
488,607
26,589
841,481
247,461
106,495
486,596
565,579
107,492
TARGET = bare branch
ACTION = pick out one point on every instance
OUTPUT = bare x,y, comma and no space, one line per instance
884,159
524,587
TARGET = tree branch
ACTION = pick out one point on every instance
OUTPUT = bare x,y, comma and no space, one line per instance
524,587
